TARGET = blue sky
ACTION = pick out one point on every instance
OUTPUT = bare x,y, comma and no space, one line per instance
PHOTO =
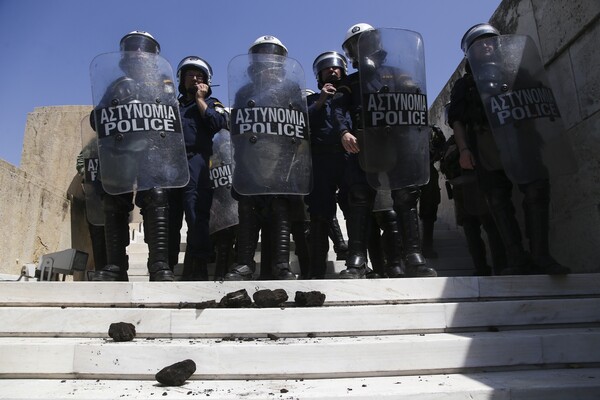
46,46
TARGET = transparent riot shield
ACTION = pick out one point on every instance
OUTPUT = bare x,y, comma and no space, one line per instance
394,108
269,125
521,108
140,141
92,184
224,209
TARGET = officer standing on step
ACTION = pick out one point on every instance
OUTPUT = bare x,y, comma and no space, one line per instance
361,194
269,133
503,150
328,157
140,145
202,116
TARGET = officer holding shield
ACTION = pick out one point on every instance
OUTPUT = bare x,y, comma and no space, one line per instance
271,150
361,193
503,151
140,148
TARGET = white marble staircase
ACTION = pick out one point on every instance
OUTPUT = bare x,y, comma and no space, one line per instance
507,338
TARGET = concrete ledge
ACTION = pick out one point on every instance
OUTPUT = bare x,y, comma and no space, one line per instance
292,358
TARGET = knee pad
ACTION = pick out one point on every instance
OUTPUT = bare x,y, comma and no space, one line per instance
155,197
406,197
118,203
361,195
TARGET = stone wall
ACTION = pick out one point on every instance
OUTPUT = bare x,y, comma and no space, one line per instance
40,199
567,33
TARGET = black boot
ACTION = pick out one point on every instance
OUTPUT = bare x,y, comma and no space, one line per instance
281,236
116,234
359,217
224,241
301,250
375,250
405,201
246,242
392,243
156,234
337,237
319,246
427,243
536,202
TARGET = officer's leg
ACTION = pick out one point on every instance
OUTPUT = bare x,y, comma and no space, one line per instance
98,245
428,206
319,246
497,250
299,232
337,237
116,234
375,250
536,206
175,223
246,241
155,208
392,243
405,205
476,245
360,206
267,238
281,226
224,241
197,200
498,193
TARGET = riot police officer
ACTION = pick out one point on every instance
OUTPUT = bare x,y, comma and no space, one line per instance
479,150
361,196
271,151
202,117
129,147
328,157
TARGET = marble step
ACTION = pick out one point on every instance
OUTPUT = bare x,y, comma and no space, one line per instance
299,358
293,321
555,384
338,292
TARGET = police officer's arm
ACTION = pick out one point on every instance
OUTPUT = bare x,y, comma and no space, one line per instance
201,94
214,115
341,107
456,119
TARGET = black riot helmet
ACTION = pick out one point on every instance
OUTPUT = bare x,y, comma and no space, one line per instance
327,60
140,41
477,32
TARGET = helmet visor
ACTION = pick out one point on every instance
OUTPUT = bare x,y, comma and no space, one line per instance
268,48
139,43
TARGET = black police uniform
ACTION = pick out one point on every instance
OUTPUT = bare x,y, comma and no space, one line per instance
195,199
328,161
